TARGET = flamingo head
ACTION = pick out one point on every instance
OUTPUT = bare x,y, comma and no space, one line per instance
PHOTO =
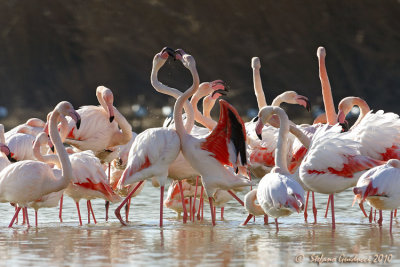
292,97
6,151
255,63
66,109
341,118
220,88
186,59
321,52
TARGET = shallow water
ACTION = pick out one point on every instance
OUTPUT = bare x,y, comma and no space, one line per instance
228,243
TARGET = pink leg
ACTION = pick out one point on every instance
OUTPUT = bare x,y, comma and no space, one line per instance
236,197
212,210
248,219
161,205
88,211
314,208
195,196
305,208
391,221
91,210
36,214
375,216
127,209
276,225
200,201
395,213
215,212
15,209
26,216
185,215
362,209
222,213
79,213
333,211
23,217
327,206
370,216
15,216
190,208
380,218
107,205
265,219
61,206
202,209
118,210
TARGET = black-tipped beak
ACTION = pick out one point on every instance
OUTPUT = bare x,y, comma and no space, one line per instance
78,124
308,106
52,148
120,161
169,51
111,118
259,136
237,170
219,91
11,159
255,119
345,126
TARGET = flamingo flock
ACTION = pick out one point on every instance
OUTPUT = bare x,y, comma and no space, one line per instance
92,152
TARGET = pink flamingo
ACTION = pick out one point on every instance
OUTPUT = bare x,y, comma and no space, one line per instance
28,180
379,186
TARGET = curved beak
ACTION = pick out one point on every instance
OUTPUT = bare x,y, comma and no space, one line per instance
169,51
302,100
341,117
345,126
76,117
111,112
259,127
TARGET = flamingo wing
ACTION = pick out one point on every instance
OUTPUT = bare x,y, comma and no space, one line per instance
227,141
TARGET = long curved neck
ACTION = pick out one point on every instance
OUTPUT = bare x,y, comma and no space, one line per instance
202,118
60,149
326,92
179,103
251,206
208,104
101,101
2,138
258,89
303,138
282,146
162,88
363,106
125,135
52,159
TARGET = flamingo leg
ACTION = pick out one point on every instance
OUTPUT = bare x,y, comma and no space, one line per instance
190,208
391,221
265,219
118,210
15,208
195,196
370,216
15,216
327,206
362,209
222,213
91,209
61,206
127,209
212,210
375,216
395,213
161,205
215,211
88,211
36,215
79,213
333,211
276,225
380,218
305,208
107,205
236,197
202,209
314,208
200,202
247,219
27,218
185,215
23,217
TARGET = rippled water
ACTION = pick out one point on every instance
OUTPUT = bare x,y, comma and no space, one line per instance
228,243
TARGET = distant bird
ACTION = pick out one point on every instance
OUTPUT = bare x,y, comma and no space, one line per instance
379,186
27,181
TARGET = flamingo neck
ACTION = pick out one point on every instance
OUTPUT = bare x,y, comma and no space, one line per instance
2,138
201,118
52,159
126,128
363,106
251,206
303,138
103,103
282,145
258,89
208,104
184,97
326,92
158,62
60,149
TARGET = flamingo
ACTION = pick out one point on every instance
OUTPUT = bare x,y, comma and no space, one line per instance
100,133
223,146
28,180
379,186
32,126
278,193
